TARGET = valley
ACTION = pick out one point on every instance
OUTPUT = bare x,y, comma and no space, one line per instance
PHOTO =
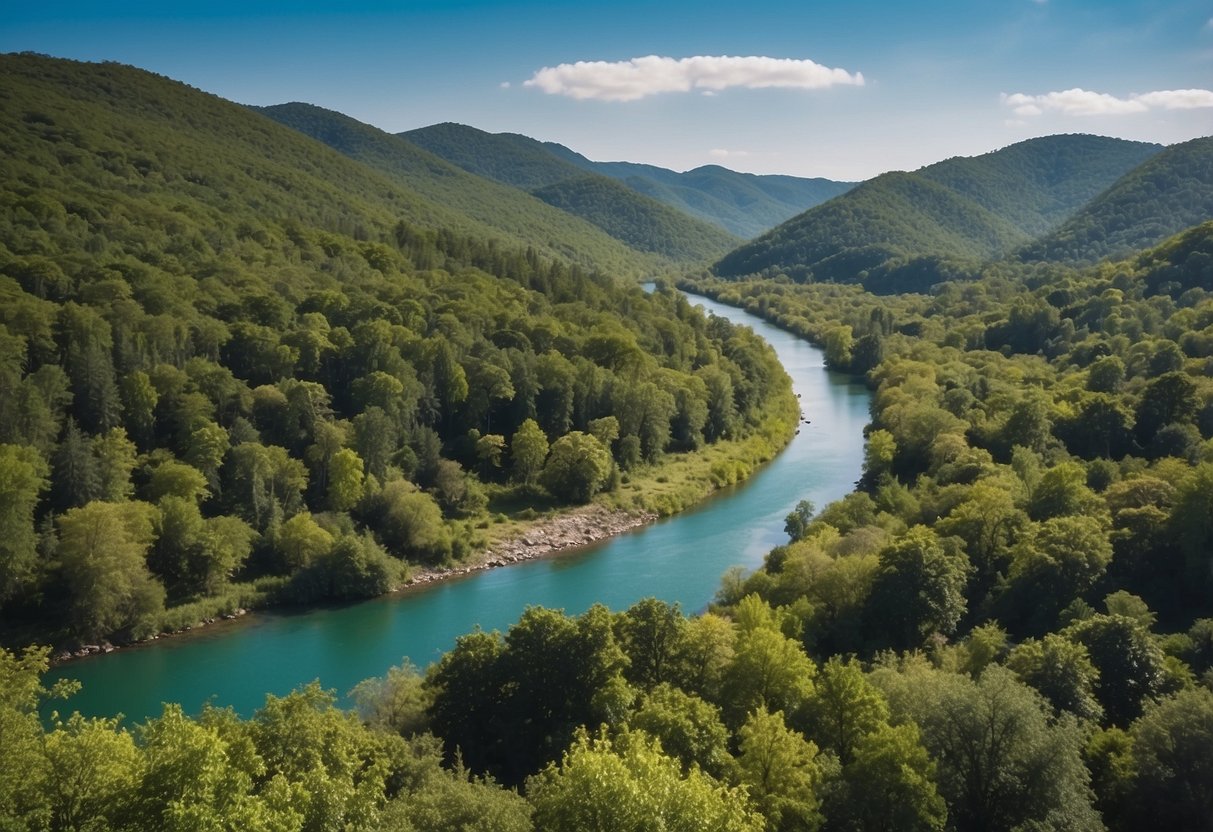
809,503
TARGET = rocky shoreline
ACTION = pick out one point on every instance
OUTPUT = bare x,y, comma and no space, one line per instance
580,527
569,530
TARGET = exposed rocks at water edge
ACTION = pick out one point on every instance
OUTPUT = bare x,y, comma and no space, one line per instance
577,528
566,531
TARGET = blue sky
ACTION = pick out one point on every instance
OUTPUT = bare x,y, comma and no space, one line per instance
847,90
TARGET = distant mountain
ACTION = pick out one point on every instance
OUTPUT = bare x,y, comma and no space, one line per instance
963,209
745,203
638,220
508,209
643,223
741,203
1163,196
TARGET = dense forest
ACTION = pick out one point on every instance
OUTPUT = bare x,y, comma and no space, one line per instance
907,231
211,401
237,366
520,175
1034,525
743,204
1170,192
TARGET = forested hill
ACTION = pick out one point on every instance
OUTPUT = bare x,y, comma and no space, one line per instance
523,217
746,204
238,368
507,157
636,219
1163,196
741,203
644,224
966,209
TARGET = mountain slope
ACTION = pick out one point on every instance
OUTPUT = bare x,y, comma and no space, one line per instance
506,157
1166,194
895,215
746,204
962,209
119,129
644,224
741,203
1038,183
638,220
489,202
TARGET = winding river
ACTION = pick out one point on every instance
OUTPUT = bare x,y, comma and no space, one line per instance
680,559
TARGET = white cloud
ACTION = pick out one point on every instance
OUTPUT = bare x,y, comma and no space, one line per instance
1178,99
721,153
1080,102
653,74
505,85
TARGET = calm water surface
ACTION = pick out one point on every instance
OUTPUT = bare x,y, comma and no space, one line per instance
679,559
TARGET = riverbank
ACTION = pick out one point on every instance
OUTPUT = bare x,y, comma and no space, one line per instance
570,530
677,483
678,560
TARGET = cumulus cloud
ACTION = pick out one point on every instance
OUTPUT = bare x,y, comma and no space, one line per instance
1080,102
653,74
1178,99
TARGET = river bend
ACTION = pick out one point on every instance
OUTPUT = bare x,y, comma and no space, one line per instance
679,559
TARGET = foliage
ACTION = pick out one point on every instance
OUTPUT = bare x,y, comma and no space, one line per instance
741,203
628,786
283,350
1162,197
907,231
485,184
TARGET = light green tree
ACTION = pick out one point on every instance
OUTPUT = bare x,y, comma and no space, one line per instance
23,477
629,785
345,480
577,467
779,768
889,786
843,708
102,551
528,450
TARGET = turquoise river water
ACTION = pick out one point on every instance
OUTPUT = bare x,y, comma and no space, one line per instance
680,559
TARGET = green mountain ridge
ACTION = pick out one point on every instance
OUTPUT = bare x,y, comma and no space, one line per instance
171,133
967,209
741,203
510,158
644,224
641,221
746,204
489,202
1168,193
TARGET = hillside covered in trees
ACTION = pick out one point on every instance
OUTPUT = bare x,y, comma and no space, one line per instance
746,204
1168,193
231,375
632,217
237,365
1034,521
905,231
516,202
742,204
